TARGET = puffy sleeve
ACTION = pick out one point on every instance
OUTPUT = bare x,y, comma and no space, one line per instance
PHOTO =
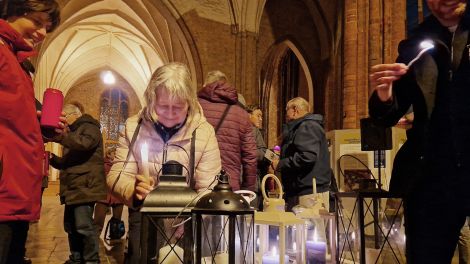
207,162
120,179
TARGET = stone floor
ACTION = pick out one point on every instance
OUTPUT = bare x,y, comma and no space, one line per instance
47,240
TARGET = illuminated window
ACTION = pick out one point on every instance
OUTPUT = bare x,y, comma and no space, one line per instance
114,110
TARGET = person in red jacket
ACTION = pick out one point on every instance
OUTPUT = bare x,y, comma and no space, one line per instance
233,130
25,25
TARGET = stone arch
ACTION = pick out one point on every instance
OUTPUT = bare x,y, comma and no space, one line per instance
269,80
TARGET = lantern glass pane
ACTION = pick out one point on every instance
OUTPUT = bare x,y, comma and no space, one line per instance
220,233
165,239
269,246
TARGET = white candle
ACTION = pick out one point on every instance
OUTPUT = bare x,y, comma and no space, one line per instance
144,153
316,251
166,255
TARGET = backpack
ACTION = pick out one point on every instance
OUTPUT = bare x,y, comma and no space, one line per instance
116,229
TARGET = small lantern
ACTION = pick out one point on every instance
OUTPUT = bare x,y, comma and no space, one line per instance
279,235
223,224
320,242
166,233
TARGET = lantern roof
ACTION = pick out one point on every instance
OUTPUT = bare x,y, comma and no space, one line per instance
222,199
172,195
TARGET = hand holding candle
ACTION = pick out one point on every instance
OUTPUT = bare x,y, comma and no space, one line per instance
143,183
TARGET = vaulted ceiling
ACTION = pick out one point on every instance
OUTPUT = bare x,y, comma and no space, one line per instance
130,37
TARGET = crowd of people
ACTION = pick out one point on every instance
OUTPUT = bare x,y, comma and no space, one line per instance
215,124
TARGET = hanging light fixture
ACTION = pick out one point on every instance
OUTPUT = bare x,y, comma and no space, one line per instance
108,78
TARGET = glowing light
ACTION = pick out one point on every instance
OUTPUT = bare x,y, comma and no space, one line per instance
425,46
108,78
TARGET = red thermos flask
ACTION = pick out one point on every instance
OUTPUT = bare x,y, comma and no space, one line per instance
51,108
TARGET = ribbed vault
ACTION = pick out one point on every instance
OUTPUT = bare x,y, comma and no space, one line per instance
130,37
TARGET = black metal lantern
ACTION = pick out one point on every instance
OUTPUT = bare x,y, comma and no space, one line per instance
166,233
223,225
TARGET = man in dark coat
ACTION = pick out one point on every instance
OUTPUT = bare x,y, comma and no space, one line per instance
431,170
304,155
237,145
82,183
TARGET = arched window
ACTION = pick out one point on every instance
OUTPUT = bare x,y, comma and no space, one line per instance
114,110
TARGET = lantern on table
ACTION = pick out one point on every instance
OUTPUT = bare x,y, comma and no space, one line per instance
320,229
166,233
280,235
223,224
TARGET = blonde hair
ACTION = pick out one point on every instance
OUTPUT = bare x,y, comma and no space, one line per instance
175,79
214,76
300,103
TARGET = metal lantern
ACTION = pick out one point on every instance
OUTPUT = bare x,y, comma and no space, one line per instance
223,224
320,230
166,233
279,235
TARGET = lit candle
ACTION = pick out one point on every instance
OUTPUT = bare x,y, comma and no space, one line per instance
144,153
167,255
316,252
273,258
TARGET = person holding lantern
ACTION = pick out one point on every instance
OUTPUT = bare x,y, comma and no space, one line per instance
162,132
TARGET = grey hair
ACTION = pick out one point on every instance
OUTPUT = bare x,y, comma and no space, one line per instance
300,103
174,78
71,109
214,76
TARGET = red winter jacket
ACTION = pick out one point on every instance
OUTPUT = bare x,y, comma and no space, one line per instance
236,141
21,145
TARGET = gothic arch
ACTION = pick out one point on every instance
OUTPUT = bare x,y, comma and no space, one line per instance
270,85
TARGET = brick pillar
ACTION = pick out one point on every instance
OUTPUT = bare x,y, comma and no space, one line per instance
371,36
245,68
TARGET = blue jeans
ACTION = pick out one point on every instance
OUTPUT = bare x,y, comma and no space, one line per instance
83,238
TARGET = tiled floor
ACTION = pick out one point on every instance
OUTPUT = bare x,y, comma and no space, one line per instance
47,240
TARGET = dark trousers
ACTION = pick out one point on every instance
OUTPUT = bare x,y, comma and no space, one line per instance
133,244
434,215
83,239
13,236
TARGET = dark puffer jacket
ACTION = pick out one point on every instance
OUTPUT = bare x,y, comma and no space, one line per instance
235,136
304,155
82,178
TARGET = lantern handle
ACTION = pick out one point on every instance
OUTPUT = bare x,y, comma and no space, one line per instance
263,184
